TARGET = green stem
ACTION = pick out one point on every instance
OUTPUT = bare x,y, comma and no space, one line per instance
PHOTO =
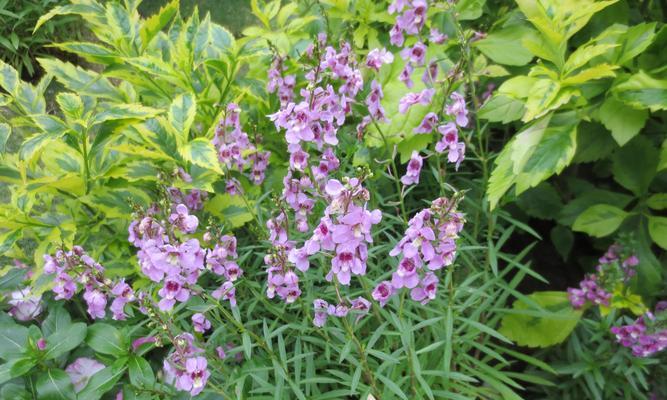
394,173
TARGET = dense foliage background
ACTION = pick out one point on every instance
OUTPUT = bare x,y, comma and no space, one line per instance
520,144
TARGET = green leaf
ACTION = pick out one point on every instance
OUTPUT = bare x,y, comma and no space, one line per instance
540,202
415,143
562,239
8,239
593,143
156,22
115,111
116,202
141,373
657,201
57,321
600,220
80,81
642,91
469,9
502,108
211,41
121,24
89,10
599,71
105,339
70,104
504,46
541,152
637,39
64,340
635,165
13,339
55,384
9,78
546,323
201,152
231,209
91,52
657,227
100,383
540,98
181,114
623,121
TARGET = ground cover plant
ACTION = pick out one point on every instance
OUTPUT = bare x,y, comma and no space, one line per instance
343,199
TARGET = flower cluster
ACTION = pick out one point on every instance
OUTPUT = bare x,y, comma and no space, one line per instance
614,268
311,125
429,244
323,310
165,259
281,278
279,83
184,367
236,152
344,230
77,267
222,262
646,336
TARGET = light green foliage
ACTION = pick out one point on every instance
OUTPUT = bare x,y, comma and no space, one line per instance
540,319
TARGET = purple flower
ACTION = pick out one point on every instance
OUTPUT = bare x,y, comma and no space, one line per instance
320,313
458,109
377,57
171,292
424,97
427,124
96,301
182,220
426,290
124,294
141,341
220,352
436,36
396,35
195,376
25,305
81,370
360,306
226,291
383,292
65,287
200,323
406,75
411,176
415,54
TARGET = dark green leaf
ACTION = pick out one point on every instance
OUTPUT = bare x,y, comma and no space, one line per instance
55,384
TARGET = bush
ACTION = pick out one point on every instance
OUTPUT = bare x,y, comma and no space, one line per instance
331,206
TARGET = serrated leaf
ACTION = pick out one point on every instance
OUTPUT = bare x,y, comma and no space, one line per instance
502,109
231,209
599,220
635,165
623,121
505,46
9,78
154,24
201,152
181,115
79,80
642,91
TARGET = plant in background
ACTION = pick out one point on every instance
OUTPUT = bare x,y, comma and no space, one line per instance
20,47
